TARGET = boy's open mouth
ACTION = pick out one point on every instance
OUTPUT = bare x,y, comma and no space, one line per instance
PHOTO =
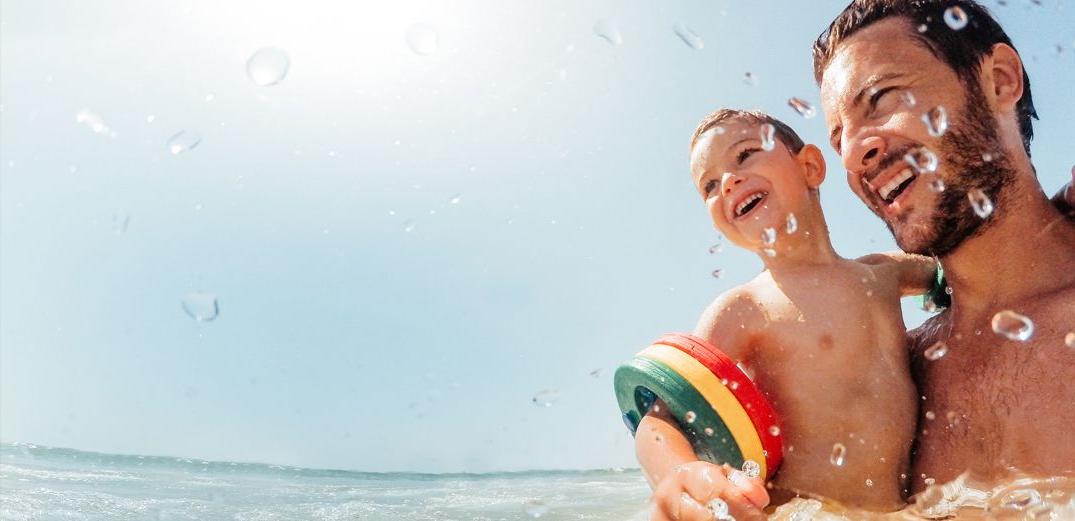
749,203
896,186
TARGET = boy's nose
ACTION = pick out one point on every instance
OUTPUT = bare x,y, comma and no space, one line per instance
728,181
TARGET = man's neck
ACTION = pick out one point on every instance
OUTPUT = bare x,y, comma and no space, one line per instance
1028,250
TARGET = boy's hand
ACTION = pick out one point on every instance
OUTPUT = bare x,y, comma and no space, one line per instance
685,494
1065,198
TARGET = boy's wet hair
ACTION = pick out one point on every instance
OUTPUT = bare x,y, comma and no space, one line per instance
961,49
784,133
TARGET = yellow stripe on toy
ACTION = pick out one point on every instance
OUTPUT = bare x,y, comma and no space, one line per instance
719,397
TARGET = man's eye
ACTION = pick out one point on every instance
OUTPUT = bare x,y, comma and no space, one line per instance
745,153
878,97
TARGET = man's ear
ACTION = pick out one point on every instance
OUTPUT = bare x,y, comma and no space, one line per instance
813,163
1003,73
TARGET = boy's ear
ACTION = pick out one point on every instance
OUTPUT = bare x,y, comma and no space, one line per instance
813,163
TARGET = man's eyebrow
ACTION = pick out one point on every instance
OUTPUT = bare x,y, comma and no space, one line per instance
870,83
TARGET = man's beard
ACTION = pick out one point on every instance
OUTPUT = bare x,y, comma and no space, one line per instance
962,152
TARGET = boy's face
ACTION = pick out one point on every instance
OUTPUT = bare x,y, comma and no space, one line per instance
746,188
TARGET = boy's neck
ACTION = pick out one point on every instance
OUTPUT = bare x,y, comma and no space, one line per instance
808,245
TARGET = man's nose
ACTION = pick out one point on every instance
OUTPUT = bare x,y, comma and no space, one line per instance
864,154
728,182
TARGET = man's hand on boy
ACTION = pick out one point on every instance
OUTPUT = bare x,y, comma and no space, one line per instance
687,492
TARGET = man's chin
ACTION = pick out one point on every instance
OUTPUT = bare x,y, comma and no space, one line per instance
913,237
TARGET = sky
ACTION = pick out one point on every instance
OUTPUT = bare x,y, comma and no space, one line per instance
425,248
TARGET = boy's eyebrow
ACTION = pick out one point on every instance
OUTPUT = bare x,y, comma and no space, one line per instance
744,140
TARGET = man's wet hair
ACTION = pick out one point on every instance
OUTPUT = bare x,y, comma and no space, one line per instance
961,49
783,132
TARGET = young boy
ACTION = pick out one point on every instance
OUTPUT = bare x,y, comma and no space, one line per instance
822,336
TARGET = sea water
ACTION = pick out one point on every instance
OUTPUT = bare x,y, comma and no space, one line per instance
43,483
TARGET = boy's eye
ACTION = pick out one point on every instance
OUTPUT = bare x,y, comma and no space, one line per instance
745,153
709,186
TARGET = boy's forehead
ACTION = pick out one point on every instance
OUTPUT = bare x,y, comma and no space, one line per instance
724,135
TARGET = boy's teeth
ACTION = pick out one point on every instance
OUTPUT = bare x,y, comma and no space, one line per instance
894,183
746,202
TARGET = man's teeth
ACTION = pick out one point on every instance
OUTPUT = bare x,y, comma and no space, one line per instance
894,183
748,202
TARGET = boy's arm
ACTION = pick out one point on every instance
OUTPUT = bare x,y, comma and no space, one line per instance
914,274
1064,200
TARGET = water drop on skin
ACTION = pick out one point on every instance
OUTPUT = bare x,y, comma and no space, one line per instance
839,452
183,141
982,205
1069,340
689,37
422,39
268,66
1013,326
923,160
936,121
955,17
909,99
936,351
768,236
751,468
936,186
804,108
792,224
609,31
930,415
767,134
719,509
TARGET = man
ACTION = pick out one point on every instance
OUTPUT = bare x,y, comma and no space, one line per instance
997,389
994,371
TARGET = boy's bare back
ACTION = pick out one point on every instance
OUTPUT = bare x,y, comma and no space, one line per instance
827,345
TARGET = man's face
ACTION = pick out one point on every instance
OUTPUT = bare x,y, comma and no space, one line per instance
875,92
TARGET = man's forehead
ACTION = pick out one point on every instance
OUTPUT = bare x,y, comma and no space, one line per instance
882,48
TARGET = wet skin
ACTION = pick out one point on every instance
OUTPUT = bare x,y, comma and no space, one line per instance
996,404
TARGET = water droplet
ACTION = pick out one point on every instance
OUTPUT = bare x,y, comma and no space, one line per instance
688,36
803,107
936,121
151,118
923,160
767,134
608,30
929,481
690,417
983,206
839,452
751,468
708,431
750,79
201,306
715,248
183,141
535,508
1012,325
546,397
1069,340
955,17
930,415
774,430
455,199
792,224
719,509
422,39
1021,499
94,122
769,252
869,482
718,273
923,28
987,157
936,351
936,185
267,66
120,222
408,226
768,236
948,290
908,98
